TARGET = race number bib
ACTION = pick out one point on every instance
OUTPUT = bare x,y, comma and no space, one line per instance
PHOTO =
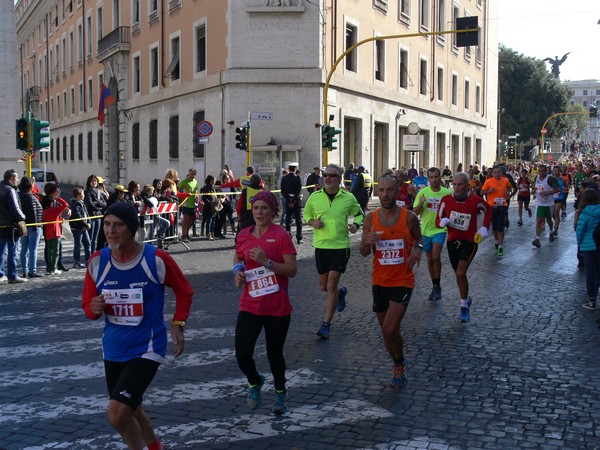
261,281
433,203
460,221
499,201
124,306
523,188
390,252
400,203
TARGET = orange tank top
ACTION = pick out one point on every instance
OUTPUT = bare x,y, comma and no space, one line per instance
391,252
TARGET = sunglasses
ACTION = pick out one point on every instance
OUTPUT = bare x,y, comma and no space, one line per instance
330,175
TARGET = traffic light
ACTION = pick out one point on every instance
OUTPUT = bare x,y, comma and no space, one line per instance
325,136
242,138
593,111
40,132
331,140
22,134
470,37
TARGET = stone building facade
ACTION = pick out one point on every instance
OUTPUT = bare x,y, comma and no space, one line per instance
173,64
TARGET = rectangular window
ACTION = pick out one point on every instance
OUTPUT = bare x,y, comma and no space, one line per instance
90,153
51,109
71,49
80,146
57,65
153,139
198,149
135,141
585,92
477,99
404,69
90,93
201,48
51,150
100,148
64,148
136,74
51,59
81,99
72,101
173,69
65,104
381,4
467,94
454,89
64,56
153,5
441,19
58,108
154,67
136,11
404,10
174,137
423,77
88,36
380,60
99,30
455,15
351,39
424,14
72,148
440,84
80,43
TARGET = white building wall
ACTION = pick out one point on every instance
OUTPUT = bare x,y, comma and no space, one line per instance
11,87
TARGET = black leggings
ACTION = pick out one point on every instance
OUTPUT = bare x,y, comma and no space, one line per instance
247,330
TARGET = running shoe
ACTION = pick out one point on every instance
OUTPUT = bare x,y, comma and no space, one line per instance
280,405
399,377
500,252
563,214
465,311
529,212
551,237
324,330
436,293
341,304
254,394
520,222
590,304
536,243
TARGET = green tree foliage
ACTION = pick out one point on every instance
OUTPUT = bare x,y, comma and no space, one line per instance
529,94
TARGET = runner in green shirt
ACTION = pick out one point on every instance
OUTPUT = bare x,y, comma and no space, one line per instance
426,205
327,211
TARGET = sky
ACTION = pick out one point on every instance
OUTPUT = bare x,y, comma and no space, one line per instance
550,28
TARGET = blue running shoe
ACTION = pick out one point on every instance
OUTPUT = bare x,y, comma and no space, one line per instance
280,405
399,378
324,330
341,304
465,311
255,395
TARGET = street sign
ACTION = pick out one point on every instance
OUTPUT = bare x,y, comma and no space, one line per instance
413,143
205,128
261,116
203,140
543,131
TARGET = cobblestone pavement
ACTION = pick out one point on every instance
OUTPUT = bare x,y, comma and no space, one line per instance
522,374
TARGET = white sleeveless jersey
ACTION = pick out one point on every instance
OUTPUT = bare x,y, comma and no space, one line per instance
543,186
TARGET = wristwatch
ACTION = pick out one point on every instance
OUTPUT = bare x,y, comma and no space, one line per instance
419,245
269,264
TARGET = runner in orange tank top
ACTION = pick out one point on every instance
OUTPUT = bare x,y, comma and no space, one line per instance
393,234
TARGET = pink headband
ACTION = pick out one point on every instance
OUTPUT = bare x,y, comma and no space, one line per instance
268,197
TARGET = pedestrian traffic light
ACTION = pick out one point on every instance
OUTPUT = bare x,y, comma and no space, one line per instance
40,133
331,140
593,111
242,138
22,134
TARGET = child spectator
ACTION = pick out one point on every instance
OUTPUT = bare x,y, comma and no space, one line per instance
53,207
80,226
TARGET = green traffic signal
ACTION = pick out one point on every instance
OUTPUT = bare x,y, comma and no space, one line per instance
40,132
22,134
325,136
333,132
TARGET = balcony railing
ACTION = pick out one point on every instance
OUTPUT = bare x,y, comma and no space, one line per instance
116,40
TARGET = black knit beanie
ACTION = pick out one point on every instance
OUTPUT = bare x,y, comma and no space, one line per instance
127,213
